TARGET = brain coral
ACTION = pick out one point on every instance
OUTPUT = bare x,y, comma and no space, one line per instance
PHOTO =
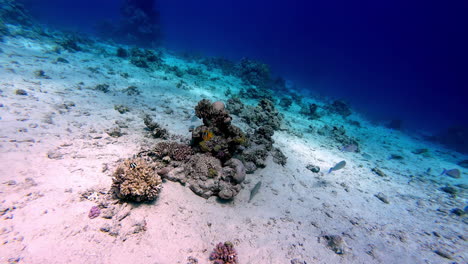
136,180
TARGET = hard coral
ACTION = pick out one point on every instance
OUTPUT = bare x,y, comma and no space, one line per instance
224,254
175,151
217,135
136,180
207,177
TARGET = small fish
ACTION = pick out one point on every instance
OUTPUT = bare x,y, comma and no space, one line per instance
366,156
133,165
349,148
255,189
338,166
454,173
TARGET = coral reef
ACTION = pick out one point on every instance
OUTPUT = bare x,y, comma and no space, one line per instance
155,129
263,114
264,119
224,253
339,107
226,66
254,73
146,58
13,12
217,135
136,180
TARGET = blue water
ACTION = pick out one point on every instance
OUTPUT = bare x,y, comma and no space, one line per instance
390,60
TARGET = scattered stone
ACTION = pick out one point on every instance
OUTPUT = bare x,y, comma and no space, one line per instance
10,183
41,74
297,261
279,157
20,92
54,154
443,253
102,87
121,109
313,168
62,60
192,260
420,151
115,132
382,197
379,172
131,90
450,190
458,211
108,213
336,243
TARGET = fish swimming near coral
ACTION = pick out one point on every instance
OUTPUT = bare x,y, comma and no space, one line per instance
349,148
454,173
207,135
338,166
255,189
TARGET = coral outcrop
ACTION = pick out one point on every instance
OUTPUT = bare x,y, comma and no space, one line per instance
254,73
339,107
136,180
217,135
224,253
206,177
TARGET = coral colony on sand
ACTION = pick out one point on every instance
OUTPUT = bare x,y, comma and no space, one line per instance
224,253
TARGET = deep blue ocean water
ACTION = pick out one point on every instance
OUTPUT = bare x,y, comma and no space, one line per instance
389,59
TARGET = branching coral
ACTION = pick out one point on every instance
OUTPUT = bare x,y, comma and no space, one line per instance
136,180
224,253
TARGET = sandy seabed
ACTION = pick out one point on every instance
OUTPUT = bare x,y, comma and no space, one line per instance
57,159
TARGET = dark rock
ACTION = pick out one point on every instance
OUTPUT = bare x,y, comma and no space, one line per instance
458,211
102,87
313,168
382,197
450,190
335,243
122,53
20,92
379,172
62,60
463,163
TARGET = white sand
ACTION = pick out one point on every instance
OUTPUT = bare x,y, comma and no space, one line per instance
45,220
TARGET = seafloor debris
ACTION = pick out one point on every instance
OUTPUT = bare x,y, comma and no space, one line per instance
336,243
313,168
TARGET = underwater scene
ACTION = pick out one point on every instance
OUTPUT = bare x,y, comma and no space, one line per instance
233,132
